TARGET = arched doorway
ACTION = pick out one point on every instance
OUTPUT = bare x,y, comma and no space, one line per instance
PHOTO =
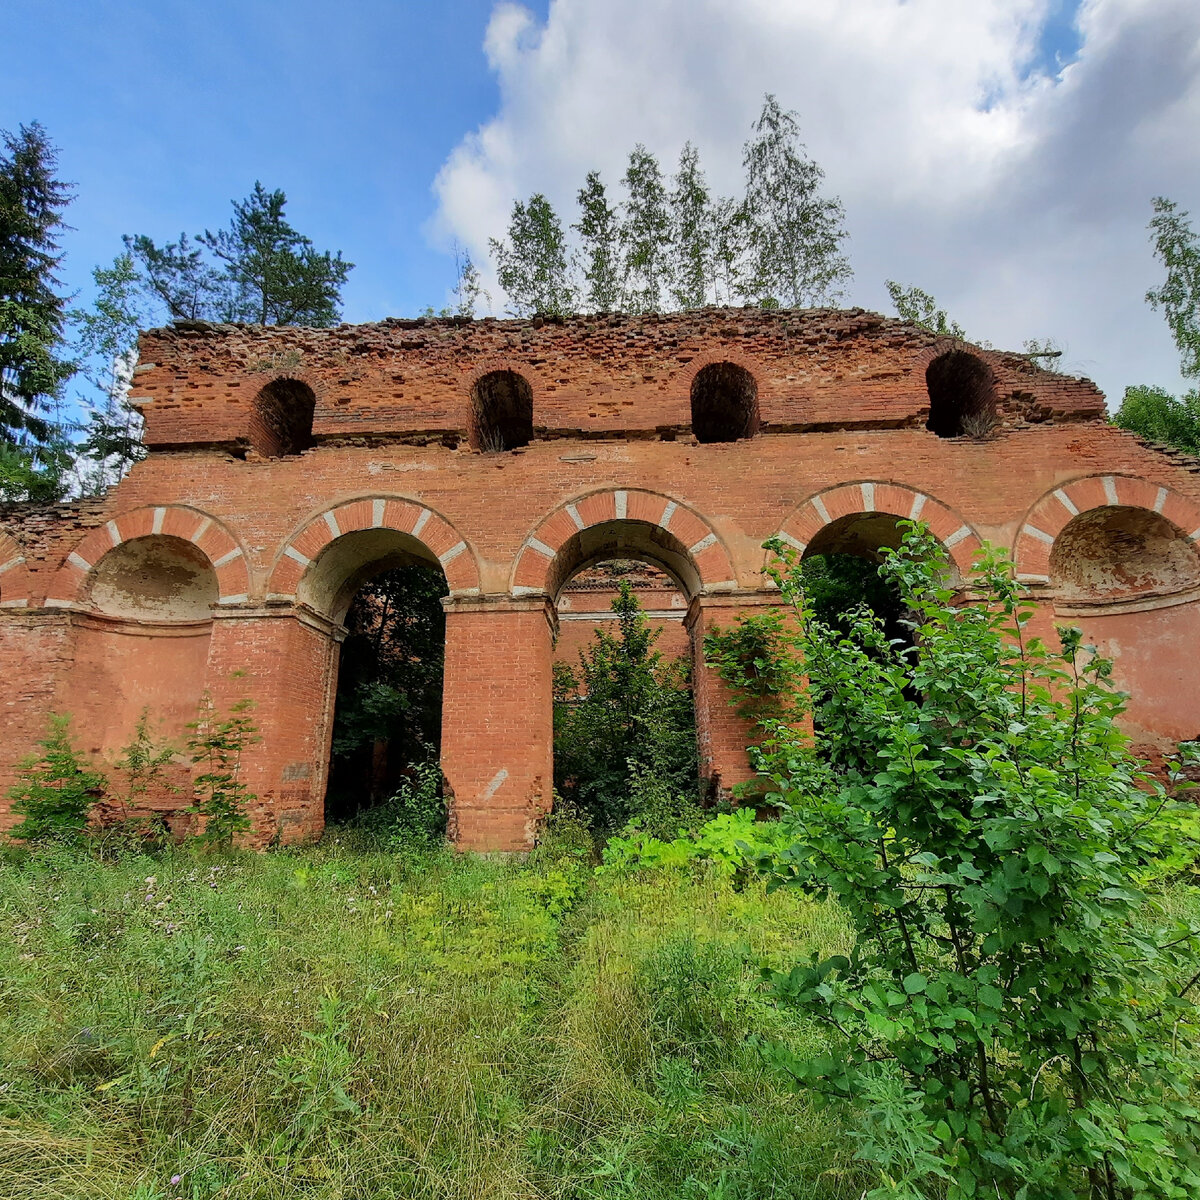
624,713
381,590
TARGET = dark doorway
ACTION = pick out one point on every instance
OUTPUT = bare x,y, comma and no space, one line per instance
388,715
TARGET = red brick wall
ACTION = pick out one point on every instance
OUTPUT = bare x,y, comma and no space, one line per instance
843,402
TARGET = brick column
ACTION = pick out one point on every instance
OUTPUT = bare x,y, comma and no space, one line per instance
721,734
286,662
497,719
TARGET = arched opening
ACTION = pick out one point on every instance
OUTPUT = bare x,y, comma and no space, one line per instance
724,403
962,399
383,590
501,412
624,713
841,574
281,421
1118,552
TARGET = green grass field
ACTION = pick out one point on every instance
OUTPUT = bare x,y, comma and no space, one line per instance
336,1022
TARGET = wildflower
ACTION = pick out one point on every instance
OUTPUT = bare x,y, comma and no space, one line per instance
176,1180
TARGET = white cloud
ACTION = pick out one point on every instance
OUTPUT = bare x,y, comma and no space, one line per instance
1019,200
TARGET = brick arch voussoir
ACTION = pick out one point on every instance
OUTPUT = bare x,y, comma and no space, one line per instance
208,534
881,496
458,560
14,575
1051,514
708,553
260,380
944,345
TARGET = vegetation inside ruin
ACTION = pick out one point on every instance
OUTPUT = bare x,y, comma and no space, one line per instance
388,713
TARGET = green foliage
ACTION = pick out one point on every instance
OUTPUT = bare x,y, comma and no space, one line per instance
672,244
1156,415
389,702
599,253
919,307
39,472
414,816
531,263
1177,247
727,843
645,233
55,789
216,744
1014,1016
138,776
624,733
468,288
32,314
794,235
503,1029
691,242
106,342
260,270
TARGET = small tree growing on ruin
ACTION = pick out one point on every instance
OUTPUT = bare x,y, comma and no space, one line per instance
55,790
217,744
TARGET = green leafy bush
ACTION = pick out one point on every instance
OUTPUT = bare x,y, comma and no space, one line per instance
55,790
414,816
1015,1016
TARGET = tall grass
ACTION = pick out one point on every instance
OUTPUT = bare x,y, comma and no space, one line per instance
345,1023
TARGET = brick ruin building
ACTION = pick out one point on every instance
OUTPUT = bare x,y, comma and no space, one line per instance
286,466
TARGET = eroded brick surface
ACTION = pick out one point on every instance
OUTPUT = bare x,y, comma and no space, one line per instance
613,469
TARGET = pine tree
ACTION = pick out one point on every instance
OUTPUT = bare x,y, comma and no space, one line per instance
277,275
32,314
260,270
645,234
794,234
531,264
692,229
599,256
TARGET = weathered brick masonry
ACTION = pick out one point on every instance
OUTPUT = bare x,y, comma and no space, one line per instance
287,465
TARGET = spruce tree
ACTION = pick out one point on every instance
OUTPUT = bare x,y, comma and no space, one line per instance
33,368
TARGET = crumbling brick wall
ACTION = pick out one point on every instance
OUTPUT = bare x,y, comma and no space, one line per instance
368,451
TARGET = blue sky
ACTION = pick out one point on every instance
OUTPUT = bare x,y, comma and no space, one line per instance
1001,154
165,111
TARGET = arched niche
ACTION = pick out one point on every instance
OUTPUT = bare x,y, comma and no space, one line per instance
281,420
501,412
724,403
962,396
156,578
1117,552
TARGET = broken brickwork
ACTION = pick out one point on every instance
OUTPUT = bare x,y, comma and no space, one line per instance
288,465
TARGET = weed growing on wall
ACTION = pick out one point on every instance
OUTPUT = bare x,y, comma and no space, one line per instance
216,744
1016,1015
55,790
